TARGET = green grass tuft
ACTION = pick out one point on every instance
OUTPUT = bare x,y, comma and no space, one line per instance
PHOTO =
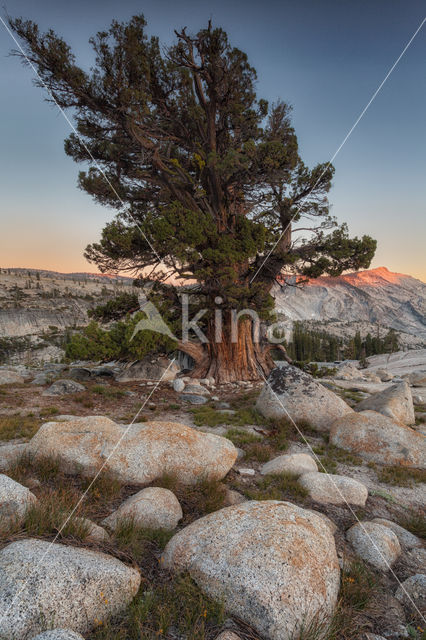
280,486
210,417
331,455
172,607
136,540
47,412
108,392
239,437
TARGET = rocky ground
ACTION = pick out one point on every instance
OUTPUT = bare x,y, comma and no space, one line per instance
37,307
243,511
365,301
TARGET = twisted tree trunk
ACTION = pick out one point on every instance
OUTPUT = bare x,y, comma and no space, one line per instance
231,354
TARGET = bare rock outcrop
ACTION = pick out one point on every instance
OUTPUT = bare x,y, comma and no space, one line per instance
10,377
273,564
292,392
153,508
380,439
138,454
396,402
375,544
77,589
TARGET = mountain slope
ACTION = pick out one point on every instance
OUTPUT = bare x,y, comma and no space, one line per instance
361,300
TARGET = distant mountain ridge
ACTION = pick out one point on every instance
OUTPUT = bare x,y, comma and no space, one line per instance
368,301
364,300
73,275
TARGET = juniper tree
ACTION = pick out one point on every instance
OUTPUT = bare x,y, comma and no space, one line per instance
205,176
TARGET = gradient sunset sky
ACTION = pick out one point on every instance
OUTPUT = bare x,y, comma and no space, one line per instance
325,57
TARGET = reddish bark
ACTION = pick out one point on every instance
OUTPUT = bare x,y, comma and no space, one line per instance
231,358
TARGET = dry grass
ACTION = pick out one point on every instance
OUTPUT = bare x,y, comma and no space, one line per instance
165,604
271,441
18,426
108,392
401,476
50,515
283,431
51,512
415,521
198,500
258,451
358,585
239,437
168,607
210,417
45,470
136,541
103,494
49,412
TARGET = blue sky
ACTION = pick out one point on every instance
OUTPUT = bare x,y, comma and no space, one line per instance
325,57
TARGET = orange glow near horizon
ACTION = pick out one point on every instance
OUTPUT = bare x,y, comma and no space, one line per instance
53,262
46,243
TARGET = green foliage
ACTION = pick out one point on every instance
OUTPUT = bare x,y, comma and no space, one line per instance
360,348
415,521
103,390
239,437
116,308
172,605
96,343
309,345
331,455
280,486
359,584
210,417
205,174
134,539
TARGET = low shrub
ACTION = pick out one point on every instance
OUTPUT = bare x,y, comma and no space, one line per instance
279,486
401,476
210,417
118,342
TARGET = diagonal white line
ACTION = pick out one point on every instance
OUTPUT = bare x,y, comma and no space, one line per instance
318,460
116,446
113,189
355,124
